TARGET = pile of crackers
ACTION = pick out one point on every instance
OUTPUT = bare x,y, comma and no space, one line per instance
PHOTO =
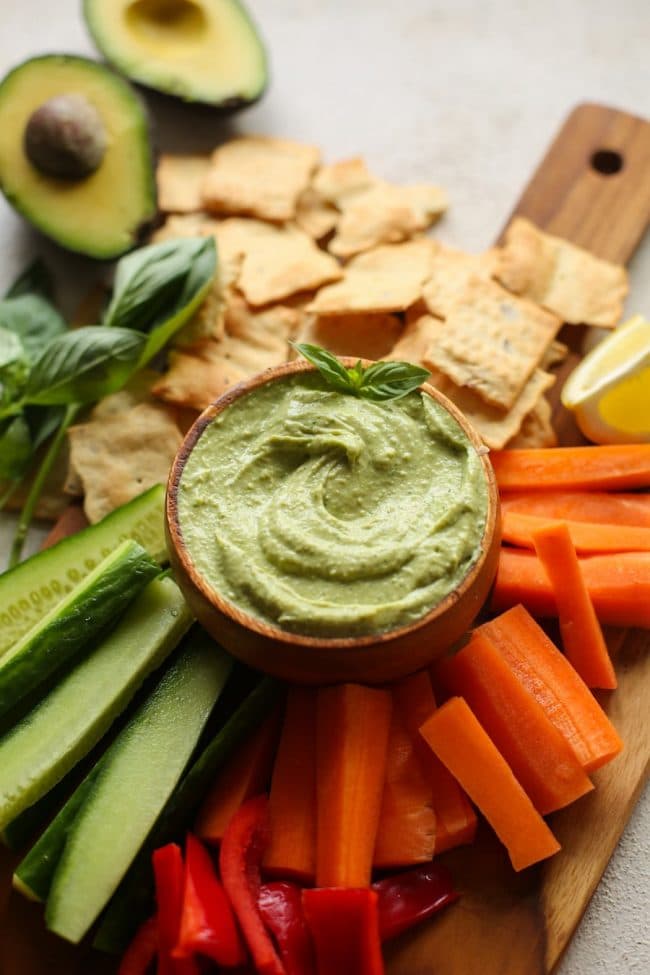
334,255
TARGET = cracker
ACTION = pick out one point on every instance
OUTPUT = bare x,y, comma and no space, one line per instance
339,181
569,281
495,426
384,213
208,321
252,341
361,336
179,180
416,339
259,175
536,429
315,215
556,353
122,452
184,225
492,341
386,279
284,263
451,271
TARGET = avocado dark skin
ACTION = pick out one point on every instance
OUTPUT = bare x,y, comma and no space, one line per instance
65,137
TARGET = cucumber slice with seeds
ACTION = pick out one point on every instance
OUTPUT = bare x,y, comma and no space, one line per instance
78,622
136,777
71,719
32,588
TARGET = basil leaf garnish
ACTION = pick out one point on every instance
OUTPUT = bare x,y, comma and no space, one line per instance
84,365
159,287
378,381
34,320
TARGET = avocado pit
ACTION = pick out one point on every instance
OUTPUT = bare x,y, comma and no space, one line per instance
65,137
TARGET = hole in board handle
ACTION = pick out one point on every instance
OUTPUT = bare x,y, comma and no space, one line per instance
607,162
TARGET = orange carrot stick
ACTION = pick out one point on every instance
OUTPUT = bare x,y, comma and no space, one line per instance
351,741
538,754
619,586
587,537
245,775
549,677
457,738
291,851
455,819
584,643
614,467
593,506
406,832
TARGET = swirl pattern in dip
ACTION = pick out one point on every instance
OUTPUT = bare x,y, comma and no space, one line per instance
328,515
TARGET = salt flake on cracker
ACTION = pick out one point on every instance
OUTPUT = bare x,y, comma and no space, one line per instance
569,281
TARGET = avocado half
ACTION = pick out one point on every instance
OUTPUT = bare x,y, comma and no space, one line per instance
199,50
100,209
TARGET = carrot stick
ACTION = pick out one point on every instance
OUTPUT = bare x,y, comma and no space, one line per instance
246,773
549,677
587,537
353,724
593,506
406,832
619,586
610,468
538,754
582,637
455,819
457,738
291,851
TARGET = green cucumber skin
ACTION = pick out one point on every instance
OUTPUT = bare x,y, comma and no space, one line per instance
33,875
70,720
137,776
134,897
21,831
34,587
82,618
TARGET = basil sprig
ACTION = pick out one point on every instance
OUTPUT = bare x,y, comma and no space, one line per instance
378,381
47,371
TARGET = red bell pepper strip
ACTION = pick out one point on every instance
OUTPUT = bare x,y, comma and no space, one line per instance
142,951
407,898
168,872
207,925
280,904
240,858
344,925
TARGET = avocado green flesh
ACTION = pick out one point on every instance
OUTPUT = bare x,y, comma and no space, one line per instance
71,719
199,50
101,214
330,515
75,624
137,776
35,586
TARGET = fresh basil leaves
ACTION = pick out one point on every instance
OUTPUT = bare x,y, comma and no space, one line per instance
378,381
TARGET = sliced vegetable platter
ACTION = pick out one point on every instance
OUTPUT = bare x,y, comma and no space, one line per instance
505,922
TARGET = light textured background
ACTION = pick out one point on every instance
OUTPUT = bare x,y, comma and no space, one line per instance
467,93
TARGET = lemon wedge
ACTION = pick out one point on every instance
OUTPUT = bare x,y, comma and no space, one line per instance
609,392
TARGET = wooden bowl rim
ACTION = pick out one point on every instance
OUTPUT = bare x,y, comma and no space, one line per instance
267,630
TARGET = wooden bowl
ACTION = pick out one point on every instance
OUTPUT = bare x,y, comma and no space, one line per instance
316,660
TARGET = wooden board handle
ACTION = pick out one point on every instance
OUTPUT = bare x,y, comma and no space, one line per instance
593,185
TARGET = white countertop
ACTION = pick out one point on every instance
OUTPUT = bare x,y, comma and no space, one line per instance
465,93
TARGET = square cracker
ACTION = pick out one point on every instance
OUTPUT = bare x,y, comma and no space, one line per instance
386,279
361,336
495,426
341,180
259,175
252,341
315,215
562,277
385,214
282,263
179,180
536,429
492,341
451,271
416,340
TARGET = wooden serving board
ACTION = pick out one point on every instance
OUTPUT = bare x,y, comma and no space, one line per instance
505,923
